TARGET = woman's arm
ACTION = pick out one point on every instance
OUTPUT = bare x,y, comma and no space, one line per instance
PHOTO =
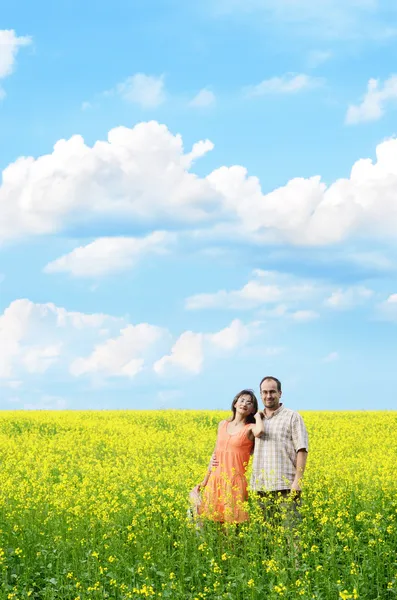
205,480
259,426
211,466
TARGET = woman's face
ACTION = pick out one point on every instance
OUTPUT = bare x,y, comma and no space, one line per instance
244,405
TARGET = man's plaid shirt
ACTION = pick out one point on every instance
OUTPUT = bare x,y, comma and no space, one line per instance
274,464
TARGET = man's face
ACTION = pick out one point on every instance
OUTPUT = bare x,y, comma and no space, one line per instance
270,394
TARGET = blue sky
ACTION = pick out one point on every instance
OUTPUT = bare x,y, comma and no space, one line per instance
193,196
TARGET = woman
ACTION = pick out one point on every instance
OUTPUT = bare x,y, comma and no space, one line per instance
225,487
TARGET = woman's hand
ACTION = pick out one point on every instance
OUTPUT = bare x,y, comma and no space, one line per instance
259,428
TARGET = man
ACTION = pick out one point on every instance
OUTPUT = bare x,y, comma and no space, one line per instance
280,453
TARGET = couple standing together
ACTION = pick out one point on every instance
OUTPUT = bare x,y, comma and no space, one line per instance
278,438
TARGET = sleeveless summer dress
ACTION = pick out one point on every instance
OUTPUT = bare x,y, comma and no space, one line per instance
226,490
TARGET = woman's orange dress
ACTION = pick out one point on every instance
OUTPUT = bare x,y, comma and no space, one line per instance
226,490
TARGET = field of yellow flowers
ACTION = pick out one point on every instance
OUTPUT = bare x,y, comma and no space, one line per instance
93,505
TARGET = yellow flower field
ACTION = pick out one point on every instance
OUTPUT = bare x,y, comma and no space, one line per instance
94,505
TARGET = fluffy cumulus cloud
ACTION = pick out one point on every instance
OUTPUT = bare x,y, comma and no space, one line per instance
36,339
143,177
286,84
123,356
10,44
138,175
190,349
187,354
307,212
374,103
231,337
110,254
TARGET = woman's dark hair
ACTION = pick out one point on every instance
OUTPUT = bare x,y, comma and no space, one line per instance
250,393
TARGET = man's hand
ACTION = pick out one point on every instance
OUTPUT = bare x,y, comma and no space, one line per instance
295,486
214,462
301,458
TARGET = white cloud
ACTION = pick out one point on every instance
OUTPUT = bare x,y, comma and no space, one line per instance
348,298
86,105
190,349
279,311
109,254
138,175
39,358
43,339
233,336
392,299
145,90
268,287
123,356
199,149
331,357
141,176
287,84
280,295
186,354
306,211
203,99
10,44
37,337
372,107
251,295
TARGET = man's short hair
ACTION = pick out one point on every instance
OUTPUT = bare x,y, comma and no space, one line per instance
278,382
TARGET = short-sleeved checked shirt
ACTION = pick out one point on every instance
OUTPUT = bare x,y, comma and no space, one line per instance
274,464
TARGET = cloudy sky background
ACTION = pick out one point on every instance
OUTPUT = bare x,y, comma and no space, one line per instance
195,195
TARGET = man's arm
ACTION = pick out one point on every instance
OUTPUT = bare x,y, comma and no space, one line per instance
301,458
